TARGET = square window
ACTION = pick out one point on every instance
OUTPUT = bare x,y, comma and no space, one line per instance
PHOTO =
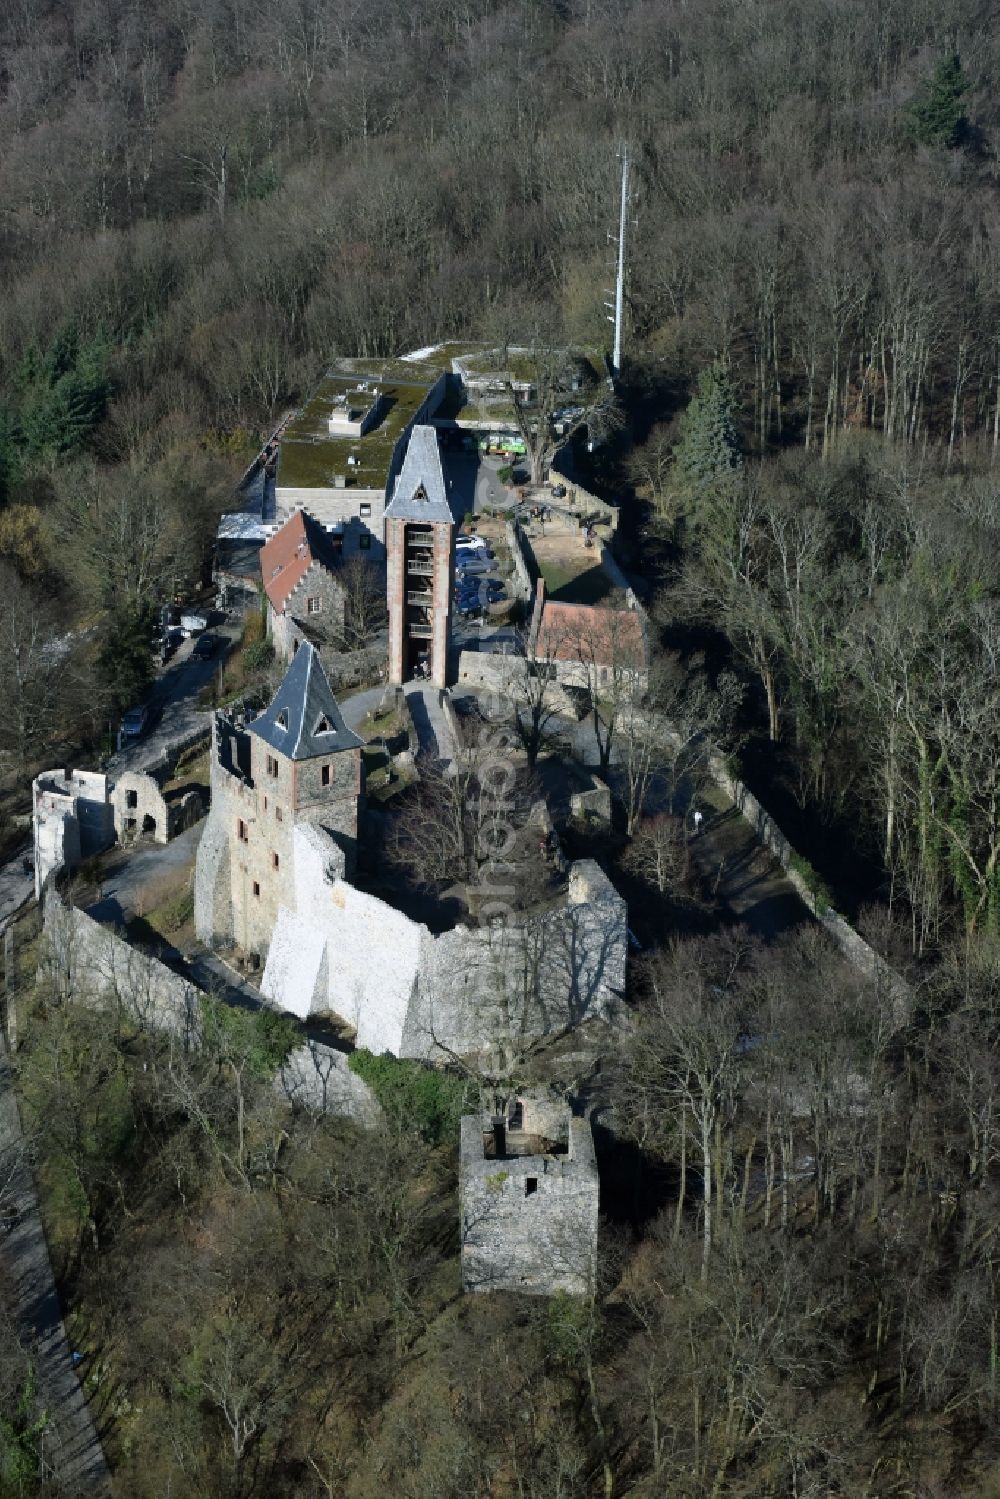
364,510
256,888
314,606
324,775
131,798
364,542
272,766
530,1186
275,861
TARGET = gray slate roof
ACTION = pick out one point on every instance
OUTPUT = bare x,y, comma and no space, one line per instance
303,720
420,492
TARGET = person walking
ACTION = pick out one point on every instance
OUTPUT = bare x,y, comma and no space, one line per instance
699,818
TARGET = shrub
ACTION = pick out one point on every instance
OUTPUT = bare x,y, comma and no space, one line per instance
818,888
259,655
413,1094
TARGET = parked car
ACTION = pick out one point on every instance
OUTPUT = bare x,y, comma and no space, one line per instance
558,491
469,543
193,624
134,723
205,647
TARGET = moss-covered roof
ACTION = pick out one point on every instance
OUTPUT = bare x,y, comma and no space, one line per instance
309,456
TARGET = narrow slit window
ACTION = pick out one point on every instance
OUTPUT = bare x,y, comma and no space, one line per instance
324,775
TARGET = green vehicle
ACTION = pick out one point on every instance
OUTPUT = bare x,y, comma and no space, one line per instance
502,445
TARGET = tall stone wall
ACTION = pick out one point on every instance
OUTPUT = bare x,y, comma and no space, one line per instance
529,1223
342,950
91,964
417,994
317,583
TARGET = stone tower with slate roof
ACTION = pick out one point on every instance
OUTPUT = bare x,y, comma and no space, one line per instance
420,548
296,763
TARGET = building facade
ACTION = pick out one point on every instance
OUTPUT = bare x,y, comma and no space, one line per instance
296,764
298,568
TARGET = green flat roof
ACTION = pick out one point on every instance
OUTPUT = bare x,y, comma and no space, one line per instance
309,456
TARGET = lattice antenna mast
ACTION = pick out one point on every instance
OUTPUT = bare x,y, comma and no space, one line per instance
620,278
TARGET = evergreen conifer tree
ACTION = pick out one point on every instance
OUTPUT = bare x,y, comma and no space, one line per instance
708,456
936,117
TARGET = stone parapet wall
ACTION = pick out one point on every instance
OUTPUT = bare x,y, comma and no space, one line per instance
483,669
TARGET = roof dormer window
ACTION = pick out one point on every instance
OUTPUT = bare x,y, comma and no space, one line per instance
281,720
324,726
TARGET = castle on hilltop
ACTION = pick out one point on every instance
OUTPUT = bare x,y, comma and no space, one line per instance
275,876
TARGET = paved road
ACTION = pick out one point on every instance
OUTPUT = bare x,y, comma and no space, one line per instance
70,1443
174,703
135,885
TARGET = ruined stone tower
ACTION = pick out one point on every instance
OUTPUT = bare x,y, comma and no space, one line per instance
420,547
529,1204
296,763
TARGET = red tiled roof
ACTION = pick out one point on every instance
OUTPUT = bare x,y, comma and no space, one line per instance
288,555
584,632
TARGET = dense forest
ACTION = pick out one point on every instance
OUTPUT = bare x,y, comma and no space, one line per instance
200,204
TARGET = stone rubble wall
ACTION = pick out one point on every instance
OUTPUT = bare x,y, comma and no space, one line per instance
417,994
170,815
581,502
91,964
486,669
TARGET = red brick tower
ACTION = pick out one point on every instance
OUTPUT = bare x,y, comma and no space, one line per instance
420,548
